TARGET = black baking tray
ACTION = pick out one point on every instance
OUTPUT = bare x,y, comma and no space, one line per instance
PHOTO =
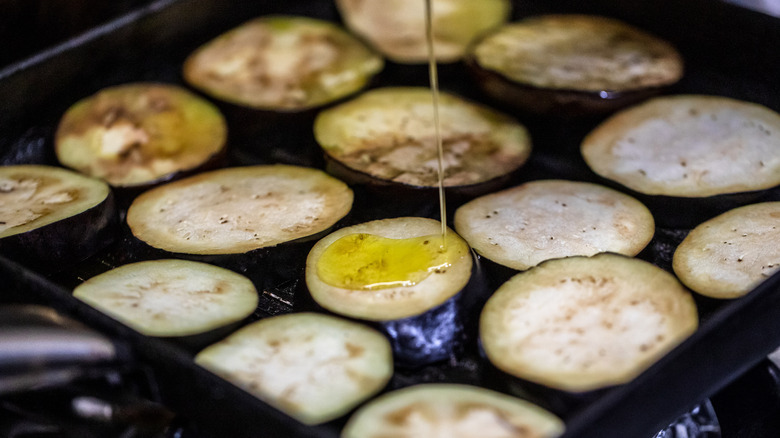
729,51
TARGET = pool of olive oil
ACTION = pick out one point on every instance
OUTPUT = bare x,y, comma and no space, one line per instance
367,262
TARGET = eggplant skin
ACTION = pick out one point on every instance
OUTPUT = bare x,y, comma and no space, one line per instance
550,102
572,65
59,238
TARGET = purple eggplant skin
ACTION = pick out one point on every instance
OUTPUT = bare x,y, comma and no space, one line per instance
61,245
440,333
384,198
554,102
261,136
679,212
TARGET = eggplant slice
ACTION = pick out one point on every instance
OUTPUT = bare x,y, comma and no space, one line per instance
688,146
395,273
388,134
236,210
140,134
170,298
282,63
397,27
525,225
729,255
453,411
688,157
313,367
572,64
49,214
579,324
396,269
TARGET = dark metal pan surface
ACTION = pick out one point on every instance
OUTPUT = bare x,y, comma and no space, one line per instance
728,51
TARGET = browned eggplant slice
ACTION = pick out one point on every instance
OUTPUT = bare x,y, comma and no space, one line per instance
395,273
729,255
454,411
397,27
386,137
236,210
282,63
313,367
170,298
572,64
525,225
689,157
49,214
579,324
140,134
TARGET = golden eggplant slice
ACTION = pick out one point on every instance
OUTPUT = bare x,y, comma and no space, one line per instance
729,255
139,134
170,298
236,210
388,134
573,64
454,411
397,27
282,63
525,225
313,367
399,274
50,214
579,324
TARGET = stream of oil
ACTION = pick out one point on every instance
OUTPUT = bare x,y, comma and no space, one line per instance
433,77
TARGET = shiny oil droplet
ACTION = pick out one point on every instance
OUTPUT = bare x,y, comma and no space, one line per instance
366,261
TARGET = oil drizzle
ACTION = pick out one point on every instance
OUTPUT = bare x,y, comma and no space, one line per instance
433,77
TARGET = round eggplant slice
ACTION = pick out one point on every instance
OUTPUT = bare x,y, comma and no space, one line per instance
140,134
282,63
170,298
729,255
525,225
49,214
398,274
397,27
712,152
572,64
579,324
388,134
453,411
236,210
313,367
